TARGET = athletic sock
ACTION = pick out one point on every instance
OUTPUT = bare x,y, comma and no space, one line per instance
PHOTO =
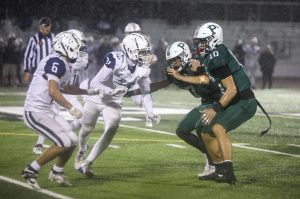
34,166
57,169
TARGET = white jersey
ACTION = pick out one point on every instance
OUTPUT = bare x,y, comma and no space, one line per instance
119,71
53,67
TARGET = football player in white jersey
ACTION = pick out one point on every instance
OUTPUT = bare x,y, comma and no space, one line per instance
121,71
137,99
52,75
81,65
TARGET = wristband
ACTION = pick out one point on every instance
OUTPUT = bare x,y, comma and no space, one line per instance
217,106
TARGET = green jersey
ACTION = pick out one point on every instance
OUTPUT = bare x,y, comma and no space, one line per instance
209,93
222,57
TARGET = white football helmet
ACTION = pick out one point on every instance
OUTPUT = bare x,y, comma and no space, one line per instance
178,55
67,44
81,36
132,28
137,48
207,37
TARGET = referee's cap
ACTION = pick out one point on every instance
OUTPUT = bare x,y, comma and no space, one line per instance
45,21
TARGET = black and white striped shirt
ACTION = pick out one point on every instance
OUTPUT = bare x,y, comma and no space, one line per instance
39,46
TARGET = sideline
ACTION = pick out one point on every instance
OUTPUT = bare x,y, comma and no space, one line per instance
43,191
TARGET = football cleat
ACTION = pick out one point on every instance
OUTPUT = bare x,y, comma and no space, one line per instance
79,159
59,177
208,172
31,178
37,149
85,168
221,178
149,123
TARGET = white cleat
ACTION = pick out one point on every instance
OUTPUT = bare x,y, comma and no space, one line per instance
59,178
149,123
38,149
85,168
79,160
31,178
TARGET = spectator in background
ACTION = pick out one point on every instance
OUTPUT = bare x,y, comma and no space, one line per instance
158,69
39,46
2,50
19,52
115,43
10,62
252,52
239,52
267,63
102,50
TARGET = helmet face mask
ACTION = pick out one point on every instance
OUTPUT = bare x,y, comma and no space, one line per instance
207,37
178,55
137,48
82,38
175,63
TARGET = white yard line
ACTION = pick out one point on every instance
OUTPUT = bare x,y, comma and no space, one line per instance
43,191
114,146
295,145
242,145
265,150
176,146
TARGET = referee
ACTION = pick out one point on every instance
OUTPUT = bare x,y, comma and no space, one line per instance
39,46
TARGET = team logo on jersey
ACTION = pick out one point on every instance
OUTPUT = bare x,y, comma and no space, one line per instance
41,43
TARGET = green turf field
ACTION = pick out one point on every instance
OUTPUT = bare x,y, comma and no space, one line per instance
144,166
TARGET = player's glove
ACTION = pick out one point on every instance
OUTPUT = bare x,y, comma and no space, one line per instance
93,91
120,90
105,91
75,112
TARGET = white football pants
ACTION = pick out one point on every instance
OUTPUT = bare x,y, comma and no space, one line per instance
111,113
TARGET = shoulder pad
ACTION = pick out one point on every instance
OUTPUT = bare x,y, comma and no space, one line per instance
55,66
110,60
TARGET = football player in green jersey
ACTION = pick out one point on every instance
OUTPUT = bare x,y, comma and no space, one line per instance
237,105
178,56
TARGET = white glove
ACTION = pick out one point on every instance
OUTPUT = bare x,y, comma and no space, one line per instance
93,91
120,90
105,91
75,112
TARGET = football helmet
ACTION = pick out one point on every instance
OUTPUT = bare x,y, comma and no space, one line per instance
67,44
207,37
132,28
81,36
178,55
137,48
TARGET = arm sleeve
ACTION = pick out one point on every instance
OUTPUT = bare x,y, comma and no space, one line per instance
144,85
